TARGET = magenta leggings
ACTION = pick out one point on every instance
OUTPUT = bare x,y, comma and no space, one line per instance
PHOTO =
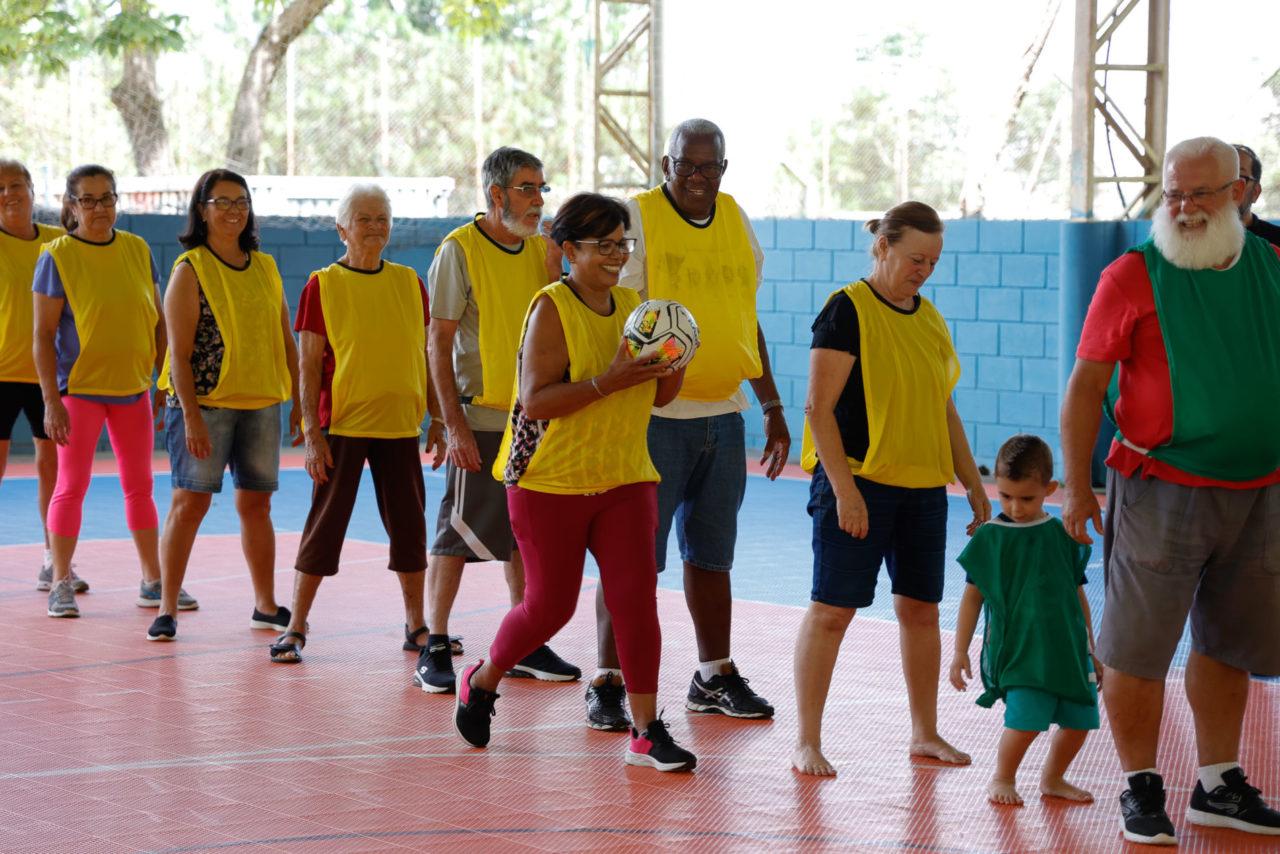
132,436
554,533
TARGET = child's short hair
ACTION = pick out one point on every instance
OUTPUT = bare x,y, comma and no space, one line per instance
1025,456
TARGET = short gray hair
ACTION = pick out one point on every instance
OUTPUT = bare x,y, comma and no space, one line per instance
501,166
1207,146
695,127
358,193
7,165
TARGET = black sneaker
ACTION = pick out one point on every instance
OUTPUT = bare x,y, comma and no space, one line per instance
1142,805
163,628
655,748
1234,804
606,706
544,664
434,673
279,621
474,709
726,694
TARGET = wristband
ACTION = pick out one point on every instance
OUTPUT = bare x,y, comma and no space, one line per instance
770,405
596,386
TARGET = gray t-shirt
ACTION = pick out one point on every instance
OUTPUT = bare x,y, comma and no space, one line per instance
452,299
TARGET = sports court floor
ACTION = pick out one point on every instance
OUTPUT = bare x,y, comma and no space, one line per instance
110,743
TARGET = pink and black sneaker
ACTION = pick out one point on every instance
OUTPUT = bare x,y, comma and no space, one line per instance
655,748
474,709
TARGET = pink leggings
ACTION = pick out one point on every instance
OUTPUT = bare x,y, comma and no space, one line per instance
132,436
554,533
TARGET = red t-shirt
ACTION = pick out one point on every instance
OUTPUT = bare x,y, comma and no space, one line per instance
1122,326
311,319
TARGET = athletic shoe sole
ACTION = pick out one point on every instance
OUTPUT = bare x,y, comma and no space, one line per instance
75,613
433,689
155,603
1158,839
44,586
1208,819
152,637
607,728
263,624
521,671
644,760
720,710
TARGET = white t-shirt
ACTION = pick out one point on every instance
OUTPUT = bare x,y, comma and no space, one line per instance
635,276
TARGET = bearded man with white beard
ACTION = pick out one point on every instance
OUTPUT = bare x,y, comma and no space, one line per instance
1192,317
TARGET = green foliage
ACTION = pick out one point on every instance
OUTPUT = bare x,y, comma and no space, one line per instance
487,19
48,34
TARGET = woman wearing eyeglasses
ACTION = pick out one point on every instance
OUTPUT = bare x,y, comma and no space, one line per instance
232,362
575,461
98,338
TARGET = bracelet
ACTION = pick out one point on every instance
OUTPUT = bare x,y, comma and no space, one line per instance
596,386
770,405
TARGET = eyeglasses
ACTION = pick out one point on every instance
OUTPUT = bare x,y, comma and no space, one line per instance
1177,199
611,247
108,200
686,168
531,190
1248,179
225,204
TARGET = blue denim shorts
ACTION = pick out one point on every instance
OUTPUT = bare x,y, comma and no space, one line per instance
246,439
703,464
907,531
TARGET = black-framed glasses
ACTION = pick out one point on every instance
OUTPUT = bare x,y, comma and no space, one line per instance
686,168
611,247
1248,179
531,190
224,204
1198,196
107,200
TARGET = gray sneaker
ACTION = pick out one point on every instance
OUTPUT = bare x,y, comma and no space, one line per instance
149,597
62,600
44,581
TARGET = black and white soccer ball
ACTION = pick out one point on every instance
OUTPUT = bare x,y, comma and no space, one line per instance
664,329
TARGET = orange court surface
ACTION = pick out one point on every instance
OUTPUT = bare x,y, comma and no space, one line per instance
114,744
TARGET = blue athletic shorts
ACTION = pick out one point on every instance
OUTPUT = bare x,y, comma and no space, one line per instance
1033,710
907,533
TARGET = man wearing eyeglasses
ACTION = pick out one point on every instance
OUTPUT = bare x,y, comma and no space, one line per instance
695,245
1251,174
481,282
1193,487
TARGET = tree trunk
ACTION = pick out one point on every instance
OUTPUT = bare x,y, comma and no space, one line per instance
138,101
244,145
984,153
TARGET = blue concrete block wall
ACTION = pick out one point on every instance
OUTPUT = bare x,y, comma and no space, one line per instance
996,284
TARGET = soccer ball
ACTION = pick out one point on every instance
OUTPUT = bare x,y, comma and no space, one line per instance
664,329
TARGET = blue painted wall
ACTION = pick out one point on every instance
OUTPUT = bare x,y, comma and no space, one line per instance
997,284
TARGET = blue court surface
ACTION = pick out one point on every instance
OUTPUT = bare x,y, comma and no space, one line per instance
773,562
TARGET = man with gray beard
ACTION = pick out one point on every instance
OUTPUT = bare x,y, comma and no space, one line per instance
1193,487
482,280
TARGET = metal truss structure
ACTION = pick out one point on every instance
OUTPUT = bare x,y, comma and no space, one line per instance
627,95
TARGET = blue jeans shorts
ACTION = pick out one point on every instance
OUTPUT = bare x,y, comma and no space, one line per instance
703,465
246,439
907,531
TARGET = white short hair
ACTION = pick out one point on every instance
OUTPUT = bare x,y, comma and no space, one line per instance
1207,146
358,193
694,128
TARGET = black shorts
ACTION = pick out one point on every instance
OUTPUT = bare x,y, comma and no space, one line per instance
24,398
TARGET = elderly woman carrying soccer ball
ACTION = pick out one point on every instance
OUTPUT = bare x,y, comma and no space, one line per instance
575,460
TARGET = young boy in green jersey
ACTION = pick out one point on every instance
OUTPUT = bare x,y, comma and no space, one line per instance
1026,573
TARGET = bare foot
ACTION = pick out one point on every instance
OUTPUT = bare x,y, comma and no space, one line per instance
1003,792
1060,788
809,760
937,748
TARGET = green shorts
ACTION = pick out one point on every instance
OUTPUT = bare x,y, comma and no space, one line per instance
1032,710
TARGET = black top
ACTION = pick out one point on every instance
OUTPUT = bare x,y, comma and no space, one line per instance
1268,231
836,328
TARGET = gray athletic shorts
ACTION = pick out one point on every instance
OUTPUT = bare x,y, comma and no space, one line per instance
473,521
1170,550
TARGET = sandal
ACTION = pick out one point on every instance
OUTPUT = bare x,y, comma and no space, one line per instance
286,650
411,640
